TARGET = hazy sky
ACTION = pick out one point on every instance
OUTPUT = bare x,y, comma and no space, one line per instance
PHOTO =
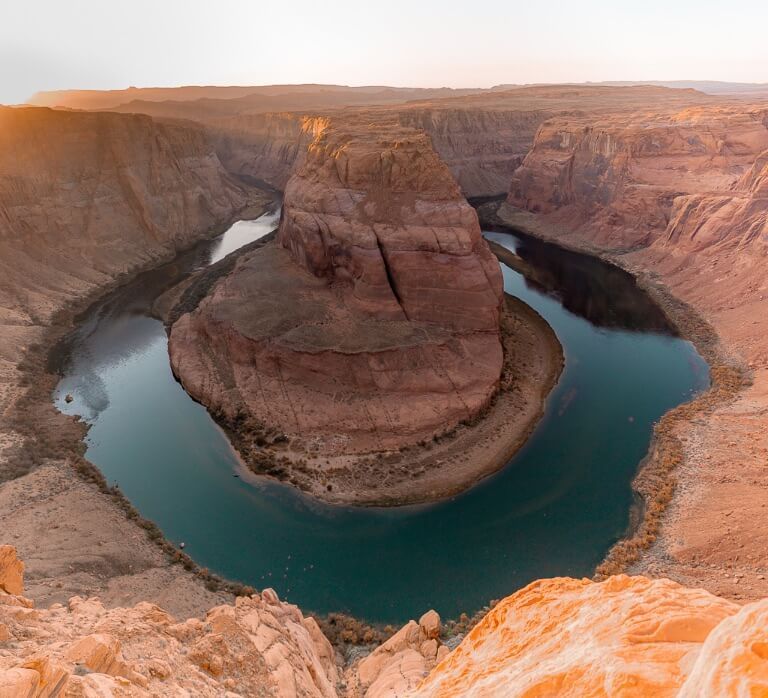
55,44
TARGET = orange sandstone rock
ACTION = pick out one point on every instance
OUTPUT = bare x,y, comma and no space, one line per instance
373,323
11,571
628,636
734,658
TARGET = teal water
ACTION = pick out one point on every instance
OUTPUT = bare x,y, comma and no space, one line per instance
554,510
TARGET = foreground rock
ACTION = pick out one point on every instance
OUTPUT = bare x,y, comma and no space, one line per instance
627,636
373,325
258,646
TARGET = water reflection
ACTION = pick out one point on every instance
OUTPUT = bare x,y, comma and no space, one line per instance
601,293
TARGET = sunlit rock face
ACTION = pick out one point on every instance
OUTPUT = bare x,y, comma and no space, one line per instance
627,637
374,207
85,197
373,322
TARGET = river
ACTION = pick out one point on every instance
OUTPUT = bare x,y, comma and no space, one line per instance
556,508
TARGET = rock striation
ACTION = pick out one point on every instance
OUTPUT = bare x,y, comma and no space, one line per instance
374,321
627,636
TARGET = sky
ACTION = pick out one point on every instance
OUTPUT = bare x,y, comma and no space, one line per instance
110,44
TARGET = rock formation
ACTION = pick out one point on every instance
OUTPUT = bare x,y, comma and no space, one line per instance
256,646
84,200
629,175
627,636
101,195
372,324
679,198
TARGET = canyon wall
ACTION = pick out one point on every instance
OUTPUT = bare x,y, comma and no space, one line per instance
482,147
627,177
679,197
86,197
265,147
84,200
374,322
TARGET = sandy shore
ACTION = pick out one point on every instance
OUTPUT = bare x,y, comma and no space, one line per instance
705,479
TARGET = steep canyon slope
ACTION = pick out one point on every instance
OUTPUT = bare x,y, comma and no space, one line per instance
84,200
680,198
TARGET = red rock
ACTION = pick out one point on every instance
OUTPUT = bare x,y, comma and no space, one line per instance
373,323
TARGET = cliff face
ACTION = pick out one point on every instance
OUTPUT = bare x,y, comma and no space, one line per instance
266,147
682,194
85,198
374,321
628,176
376,207
481,147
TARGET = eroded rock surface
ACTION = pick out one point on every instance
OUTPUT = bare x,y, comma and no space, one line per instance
373,323
256,646
627,636
679,197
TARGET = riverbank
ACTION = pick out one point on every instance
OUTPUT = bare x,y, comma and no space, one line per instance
78,536
703,482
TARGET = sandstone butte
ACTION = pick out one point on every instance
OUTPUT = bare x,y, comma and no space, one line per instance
625,637
371,325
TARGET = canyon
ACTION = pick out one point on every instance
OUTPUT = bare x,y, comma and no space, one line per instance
678,197
668,184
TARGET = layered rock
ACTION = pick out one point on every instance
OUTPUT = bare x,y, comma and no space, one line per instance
627,636
627,176
373,323
86,197
682,195
84,200
482,147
